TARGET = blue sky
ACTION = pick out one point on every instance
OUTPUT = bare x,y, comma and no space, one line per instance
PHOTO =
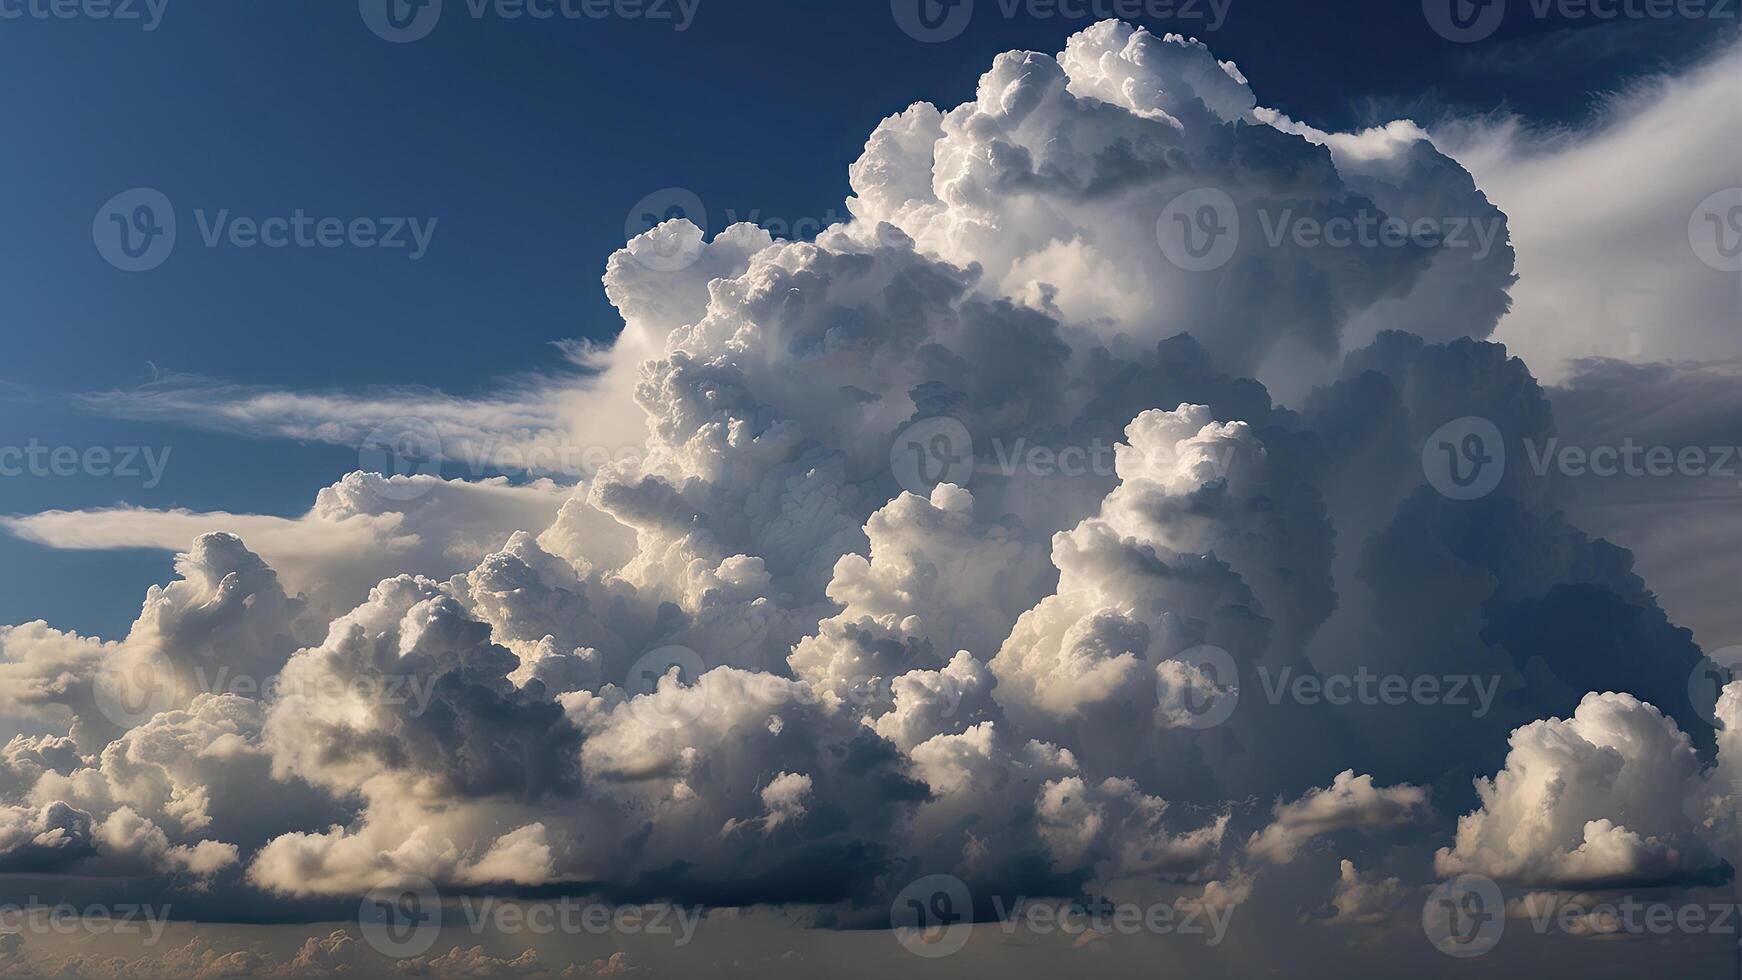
528,143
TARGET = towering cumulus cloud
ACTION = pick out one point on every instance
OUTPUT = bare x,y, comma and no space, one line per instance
968,539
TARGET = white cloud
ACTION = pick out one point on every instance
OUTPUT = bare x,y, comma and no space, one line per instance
1600,221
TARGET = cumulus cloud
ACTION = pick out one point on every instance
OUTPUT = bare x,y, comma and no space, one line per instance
360,530
1610,796
773,657
1362,899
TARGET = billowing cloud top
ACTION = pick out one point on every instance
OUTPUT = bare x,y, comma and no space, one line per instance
948,527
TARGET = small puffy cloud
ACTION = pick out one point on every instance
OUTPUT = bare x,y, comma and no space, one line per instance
1351,802
1604,798
1362,899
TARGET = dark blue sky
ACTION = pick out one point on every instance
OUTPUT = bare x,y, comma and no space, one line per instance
529,142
